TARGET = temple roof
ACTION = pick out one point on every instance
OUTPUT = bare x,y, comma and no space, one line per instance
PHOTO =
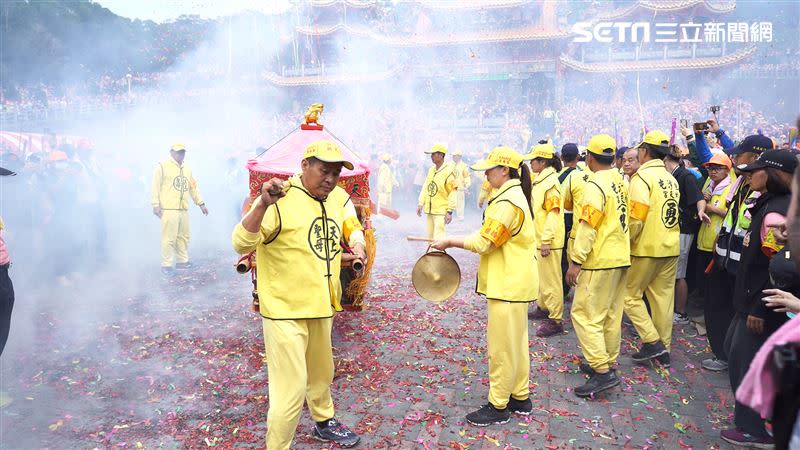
659,64
669,6
531,33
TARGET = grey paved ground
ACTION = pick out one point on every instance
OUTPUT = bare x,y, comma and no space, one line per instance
179,364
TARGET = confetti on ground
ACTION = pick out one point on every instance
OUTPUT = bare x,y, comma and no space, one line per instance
182,366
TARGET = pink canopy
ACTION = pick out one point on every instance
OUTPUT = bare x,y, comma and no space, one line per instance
284,157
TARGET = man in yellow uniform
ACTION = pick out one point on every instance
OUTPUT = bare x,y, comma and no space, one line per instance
508,279
463,181
296,229
599,260
655,247
173,184
548,221
386,182
438,196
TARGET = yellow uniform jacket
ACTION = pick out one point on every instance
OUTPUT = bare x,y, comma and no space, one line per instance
386,179
654,196
173,184
438,192
601,239
462,176
507,269
573,192
298,252
548,214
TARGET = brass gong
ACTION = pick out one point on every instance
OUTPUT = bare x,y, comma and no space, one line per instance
436,276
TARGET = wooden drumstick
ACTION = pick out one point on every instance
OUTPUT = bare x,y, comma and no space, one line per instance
419,239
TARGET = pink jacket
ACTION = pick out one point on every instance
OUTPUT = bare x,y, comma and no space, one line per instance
758,388
4,258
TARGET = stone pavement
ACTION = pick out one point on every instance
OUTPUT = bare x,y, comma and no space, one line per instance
180,365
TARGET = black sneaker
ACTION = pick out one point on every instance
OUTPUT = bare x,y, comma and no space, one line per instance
663,360
167,271
184,266
586,368
521,407
488,415
599,382
337,433
649,351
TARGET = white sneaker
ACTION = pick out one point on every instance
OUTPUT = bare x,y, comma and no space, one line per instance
680,319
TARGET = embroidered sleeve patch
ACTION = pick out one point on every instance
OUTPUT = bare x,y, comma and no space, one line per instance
495,232
639,210
592,216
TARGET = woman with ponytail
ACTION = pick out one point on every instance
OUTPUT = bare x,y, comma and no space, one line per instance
508,278
548,219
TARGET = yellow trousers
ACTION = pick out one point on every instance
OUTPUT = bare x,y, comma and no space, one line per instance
507,343
460,200
435,226
570,243
385,199
174,236
299,367
551,288
656,278
597,315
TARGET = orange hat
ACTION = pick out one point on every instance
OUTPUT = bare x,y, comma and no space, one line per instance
719,160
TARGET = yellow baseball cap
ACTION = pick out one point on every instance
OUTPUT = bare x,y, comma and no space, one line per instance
456,152
602,144
546,151
500,156
326,151
437,148
657,138
178,147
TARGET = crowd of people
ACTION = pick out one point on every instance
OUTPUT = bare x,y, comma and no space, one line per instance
621,227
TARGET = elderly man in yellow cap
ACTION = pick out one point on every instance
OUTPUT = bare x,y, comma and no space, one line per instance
599,259
296,229
463,182
655,247
438,196
386,182
173,184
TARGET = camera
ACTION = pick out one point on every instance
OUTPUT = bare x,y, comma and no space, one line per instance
684,123
714,109
701,127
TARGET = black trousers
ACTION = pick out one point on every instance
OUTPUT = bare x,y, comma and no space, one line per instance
741,346
6,305
698,294
718,310
564,256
